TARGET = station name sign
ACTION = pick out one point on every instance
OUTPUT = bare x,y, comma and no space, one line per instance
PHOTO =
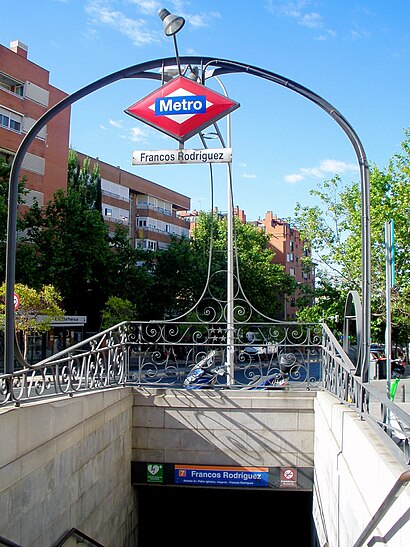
166,157
211,475
225,476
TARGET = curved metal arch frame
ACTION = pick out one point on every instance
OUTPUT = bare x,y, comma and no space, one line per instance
353,313
141,70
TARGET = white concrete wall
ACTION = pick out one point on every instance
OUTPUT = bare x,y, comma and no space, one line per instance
270,428
65,463
354,471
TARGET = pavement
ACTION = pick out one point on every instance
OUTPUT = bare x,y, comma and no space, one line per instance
402,396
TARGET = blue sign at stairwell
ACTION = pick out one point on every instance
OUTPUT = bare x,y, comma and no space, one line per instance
165,106
212,475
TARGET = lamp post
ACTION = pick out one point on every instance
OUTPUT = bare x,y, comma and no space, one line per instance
172,24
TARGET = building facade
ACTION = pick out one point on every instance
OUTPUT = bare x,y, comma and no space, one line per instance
290,251
148,210
25,95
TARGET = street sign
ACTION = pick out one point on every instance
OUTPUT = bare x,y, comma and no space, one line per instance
288,477
166,157
181,108
16,301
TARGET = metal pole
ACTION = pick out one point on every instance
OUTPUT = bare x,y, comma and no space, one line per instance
388,246
230,335
230,298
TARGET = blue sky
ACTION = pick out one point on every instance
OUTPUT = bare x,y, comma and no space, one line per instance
354,54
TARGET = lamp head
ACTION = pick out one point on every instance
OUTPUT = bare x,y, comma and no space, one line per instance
171,23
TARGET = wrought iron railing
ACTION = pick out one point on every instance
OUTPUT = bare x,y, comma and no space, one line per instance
385,417
74,537
163,353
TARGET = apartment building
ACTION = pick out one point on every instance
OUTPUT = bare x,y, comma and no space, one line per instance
289,252
25,95
148,210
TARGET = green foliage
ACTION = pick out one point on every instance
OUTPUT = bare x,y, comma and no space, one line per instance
70,245
4,190
37,309
334,229
117,310
129,273
265,284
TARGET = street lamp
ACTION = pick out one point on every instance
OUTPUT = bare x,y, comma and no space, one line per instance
172,24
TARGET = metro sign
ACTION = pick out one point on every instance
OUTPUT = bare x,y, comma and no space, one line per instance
181,108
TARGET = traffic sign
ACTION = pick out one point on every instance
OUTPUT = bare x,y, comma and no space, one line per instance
288,477
16,301
181,108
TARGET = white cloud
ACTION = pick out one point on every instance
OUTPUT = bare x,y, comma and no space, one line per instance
147,6
311,20
248,176
137,134
293,179
135,29
337,166
117,124
200,20
325,168
300,12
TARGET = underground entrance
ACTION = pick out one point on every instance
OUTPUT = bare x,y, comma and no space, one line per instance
217,515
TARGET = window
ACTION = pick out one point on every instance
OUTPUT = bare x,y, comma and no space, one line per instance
292,271
4,120
10,120
14,124
10,84
107,212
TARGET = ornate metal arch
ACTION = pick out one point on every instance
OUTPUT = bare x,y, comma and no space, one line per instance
210,67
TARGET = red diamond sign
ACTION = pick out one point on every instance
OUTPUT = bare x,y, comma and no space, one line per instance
181,108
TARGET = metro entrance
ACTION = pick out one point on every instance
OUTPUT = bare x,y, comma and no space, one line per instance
223,516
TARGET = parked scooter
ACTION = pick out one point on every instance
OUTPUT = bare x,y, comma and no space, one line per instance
205,373
279,380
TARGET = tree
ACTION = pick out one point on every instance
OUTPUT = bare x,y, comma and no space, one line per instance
70,244
37,310
178,278
334,229
117,310
180,272
129,273
4,190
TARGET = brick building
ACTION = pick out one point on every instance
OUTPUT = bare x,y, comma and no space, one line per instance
289,252
147,208
25,95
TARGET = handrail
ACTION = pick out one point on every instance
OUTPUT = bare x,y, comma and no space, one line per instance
80,535
391,497
8,543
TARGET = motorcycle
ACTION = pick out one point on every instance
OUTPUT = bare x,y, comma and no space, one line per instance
279,380
205,373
